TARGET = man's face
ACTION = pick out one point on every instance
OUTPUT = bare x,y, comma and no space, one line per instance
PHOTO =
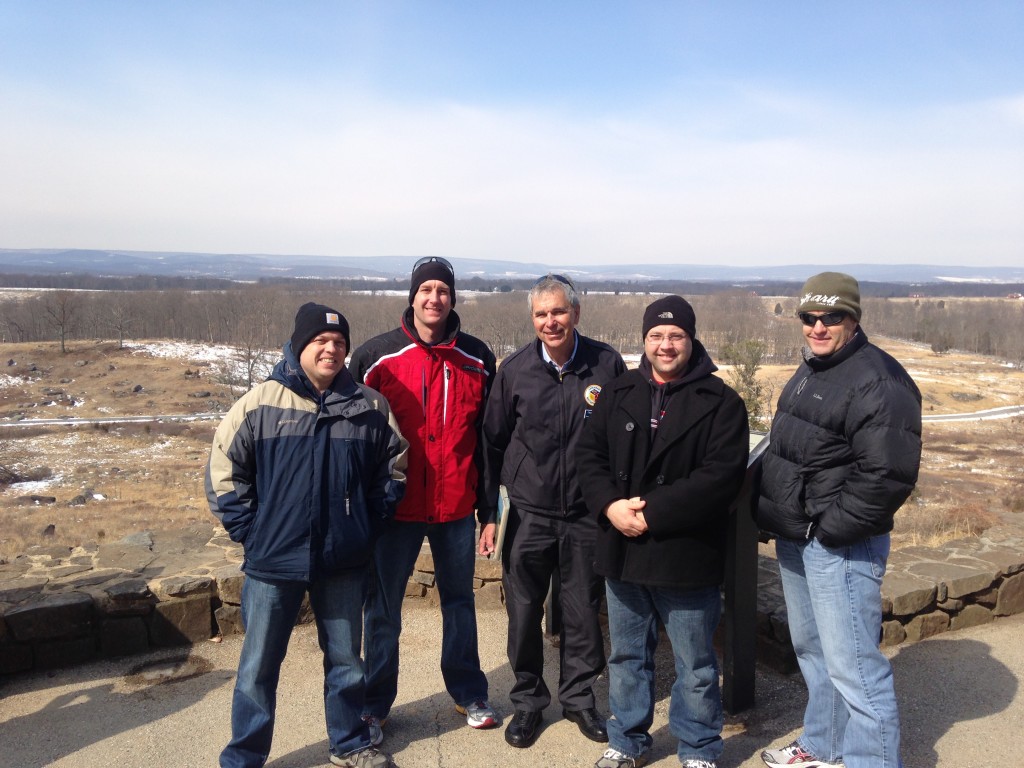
554,319
432,304
668,349
825,339
323,358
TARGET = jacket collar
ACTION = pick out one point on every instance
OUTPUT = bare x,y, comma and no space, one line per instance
844,353
700,366
289,373
451,329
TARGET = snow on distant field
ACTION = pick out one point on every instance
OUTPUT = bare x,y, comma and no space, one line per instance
228,360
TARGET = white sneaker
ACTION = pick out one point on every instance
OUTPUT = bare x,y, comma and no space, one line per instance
479,714
612,758
794,756
697,763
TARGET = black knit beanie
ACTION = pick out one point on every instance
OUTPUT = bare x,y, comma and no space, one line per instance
431,270
670,310
312,319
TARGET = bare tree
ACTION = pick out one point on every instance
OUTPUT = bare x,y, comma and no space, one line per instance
61,310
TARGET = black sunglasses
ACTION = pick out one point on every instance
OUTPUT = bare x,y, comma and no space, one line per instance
827,319
559,278
427,259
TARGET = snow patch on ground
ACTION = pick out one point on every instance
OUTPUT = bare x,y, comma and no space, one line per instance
228,361
10,381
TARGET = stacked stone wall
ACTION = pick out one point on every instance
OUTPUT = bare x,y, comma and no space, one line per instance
61,606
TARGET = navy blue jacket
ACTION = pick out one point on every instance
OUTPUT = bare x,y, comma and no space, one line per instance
306,482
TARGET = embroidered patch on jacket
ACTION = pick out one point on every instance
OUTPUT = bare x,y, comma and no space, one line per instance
590,393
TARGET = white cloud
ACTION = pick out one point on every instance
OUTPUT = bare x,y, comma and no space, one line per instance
762,177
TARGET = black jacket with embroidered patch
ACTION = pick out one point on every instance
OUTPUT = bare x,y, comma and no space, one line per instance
533,421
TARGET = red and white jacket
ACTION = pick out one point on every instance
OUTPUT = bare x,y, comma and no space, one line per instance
437,394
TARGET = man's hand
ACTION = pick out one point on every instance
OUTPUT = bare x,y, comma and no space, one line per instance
626,516
486,544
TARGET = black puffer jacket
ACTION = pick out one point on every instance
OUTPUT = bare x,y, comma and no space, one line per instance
689,473
845,447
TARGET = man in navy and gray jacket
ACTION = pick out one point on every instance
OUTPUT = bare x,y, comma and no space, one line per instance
305,472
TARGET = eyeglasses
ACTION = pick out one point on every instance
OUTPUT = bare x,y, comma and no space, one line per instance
558,278
427,259
827,319
673,338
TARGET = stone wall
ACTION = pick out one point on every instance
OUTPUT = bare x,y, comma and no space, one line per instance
61,606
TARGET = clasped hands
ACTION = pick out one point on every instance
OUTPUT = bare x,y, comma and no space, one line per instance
627,516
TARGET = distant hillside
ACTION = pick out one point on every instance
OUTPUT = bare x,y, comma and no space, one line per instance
249,266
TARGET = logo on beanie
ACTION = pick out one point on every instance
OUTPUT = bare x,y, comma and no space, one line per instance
667,316
820,298
331,318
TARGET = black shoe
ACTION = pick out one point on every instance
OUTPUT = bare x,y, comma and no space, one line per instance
591,724
523,729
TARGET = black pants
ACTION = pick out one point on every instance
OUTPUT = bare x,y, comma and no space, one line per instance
536,548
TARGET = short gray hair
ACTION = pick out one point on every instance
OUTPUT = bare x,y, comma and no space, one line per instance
551,282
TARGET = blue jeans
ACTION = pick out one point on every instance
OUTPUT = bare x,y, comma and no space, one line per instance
695,712
453,546
833,598
269,611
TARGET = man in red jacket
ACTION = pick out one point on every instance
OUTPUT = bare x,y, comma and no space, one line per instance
436,379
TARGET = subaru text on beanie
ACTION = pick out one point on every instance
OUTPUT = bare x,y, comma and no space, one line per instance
312,319
671,310
432,270
831,292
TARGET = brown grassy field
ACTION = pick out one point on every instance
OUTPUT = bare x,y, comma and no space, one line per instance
110,480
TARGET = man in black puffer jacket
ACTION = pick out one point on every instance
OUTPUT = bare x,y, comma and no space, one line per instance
844,456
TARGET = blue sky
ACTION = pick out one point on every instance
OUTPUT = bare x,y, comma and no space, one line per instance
737,133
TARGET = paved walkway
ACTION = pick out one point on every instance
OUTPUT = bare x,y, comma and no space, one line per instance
959,693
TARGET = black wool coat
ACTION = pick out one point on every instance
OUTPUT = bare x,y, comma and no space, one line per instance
689,475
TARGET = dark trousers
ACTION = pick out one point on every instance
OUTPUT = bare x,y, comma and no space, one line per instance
536,548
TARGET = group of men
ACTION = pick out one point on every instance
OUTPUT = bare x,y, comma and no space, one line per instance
619,486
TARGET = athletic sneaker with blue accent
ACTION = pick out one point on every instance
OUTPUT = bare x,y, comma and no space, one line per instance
795,756
479,714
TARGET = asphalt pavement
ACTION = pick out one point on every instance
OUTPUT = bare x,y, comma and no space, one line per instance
959,695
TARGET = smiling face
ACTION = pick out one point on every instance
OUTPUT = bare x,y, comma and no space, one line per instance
431,306
323,358
824,339
554,319
668,349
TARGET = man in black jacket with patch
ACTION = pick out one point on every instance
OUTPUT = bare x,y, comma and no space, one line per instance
536,410
844,455
661,461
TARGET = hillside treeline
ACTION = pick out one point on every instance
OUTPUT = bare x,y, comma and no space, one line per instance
260,316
